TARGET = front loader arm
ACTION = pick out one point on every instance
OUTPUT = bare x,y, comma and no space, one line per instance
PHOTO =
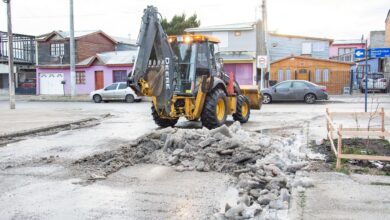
153,76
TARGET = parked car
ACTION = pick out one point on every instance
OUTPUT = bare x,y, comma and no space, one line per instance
295,90
376,82
115,91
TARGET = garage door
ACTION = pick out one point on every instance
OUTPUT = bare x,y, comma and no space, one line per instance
243,72
50,83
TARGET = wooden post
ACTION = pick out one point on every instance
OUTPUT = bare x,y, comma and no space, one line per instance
327,122
383,121
339,144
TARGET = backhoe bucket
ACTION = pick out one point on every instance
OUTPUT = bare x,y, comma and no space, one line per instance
253,94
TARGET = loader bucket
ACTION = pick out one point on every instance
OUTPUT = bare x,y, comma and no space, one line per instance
253,94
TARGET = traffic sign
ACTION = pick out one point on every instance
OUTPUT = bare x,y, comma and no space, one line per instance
360,53
379,52
261,61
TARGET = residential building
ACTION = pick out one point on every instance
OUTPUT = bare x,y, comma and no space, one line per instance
376,39
239,44
386,67
335,75
343,50
24,63
92,73
284,45
92,70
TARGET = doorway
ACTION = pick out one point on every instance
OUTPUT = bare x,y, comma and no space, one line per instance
302,74
99,80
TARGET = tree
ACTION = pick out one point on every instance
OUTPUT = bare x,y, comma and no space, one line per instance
179,23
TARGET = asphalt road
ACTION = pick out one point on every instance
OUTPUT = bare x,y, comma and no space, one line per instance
33,188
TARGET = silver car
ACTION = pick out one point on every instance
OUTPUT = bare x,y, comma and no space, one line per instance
375,82
295,90
115,91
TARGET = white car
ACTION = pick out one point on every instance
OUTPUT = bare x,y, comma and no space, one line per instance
376,82
115,91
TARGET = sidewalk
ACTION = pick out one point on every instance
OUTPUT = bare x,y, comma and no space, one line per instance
48,98
25,121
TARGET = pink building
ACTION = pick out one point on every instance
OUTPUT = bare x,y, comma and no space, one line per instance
92,73
343,50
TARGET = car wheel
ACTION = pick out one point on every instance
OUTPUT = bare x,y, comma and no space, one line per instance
97,98
267,99
129,98
310,98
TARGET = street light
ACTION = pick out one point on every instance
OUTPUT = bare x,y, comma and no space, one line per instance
11,76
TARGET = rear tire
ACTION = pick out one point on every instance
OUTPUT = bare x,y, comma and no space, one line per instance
214,111
129,98
97,98
163,122
243,109
310,98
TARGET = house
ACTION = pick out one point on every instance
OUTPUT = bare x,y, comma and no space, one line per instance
93,70
386,64
284,45
239,44
24,63
343,50
335,75
92,73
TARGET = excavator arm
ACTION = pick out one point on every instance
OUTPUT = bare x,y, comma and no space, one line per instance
153,70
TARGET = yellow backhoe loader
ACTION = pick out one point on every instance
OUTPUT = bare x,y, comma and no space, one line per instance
185,78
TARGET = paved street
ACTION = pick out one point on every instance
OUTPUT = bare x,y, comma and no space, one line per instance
37,179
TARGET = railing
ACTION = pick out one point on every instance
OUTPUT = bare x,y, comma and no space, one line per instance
354,132
23,48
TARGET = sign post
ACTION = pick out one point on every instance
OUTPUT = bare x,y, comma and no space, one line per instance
369,53
262,64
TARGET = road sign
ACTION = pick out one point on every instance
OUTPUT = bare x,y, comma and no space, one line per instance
360,53
379,52
261,61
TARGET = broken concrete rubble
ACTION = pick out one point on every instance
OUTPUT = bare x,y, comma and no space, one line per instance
264,166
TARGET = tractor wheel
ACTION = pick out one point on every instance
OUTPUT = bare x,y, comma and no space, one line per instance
242,110
214,111
163,122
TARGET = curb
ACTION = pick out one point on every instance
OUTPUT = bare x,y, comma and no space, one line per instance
47,128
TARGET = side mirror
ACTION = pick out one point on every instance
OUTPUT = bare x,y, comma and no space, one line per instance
274,89
220,61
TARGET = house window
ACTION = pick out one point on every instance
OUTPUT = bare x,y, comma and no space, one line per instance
280,75
318,75
80,77
306,48
119,76
288,74
325,75
57,50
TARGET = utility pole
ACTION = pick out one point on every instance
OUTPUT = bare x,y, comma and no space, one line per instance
72,53
265,27
11,74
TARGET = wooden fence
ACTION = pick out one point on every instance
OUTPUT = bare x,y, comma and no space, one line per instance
354,133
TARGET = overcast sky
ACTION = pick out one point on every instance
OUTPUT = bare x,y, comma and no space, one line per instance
337,19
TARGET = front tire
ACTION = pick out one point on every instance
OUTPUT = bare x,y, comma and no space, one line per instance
242,110
214,111
97,98
163,122
310,98
129,98
267,99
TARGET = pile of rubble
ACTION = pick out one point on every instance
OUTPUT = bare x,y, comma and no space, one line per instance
263,165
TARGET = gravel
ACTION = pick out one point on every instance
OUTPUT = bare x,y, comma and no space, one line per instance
264,165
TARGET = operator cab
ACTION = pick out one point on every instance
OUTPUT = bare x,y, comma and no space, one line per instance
195,57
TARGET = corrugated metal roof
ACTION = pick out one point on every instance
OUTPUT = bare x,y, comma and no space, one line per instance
228,57
77,34
117,57
225,27
125,40
299,36
351,41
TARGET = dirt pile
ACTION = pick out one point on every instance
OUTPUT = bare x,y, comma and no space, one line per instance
264,165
